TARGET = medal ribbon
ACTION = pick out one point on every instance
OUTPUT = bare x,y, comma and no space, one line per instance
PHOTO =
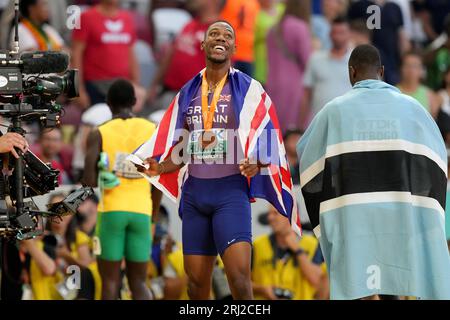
208,112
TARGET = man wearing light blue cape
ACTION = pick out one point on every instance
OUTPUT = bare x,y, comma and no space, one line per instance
373,172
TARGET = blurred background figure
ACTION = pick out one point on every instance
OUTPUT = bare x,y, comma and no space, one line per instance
326,75
242,16
288,50
443,117
321,23
412,74
438,60
50,148
62,245
34,31
87,215
267,17
284,266
291,138
359,33
103,50
391,39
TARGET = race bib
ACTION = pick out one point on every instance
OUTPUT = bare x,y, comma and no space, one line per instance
217,149
124,168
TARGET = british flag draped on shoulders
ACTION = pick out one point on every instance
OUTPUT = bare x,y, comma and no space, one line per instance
258,133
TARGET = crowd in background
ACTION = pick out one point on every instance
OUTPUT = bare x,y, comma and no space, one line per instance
297,49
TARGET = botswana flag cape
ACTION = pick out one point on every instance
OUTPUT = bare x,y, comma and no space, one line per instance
373,173
257,121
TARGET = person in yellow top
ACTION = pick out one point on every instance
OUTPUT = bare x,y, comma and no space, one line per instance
62,246
127,201
284,267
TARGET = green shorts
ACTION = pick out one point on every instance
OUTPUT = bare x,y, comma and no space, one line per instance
124,234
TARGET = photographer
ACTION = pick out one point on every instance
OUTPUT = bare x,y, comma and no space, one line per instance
284,267
62,245
10,286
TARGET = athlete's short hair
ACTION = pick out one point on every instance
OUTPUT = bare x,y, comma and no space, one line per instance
121,95
365,57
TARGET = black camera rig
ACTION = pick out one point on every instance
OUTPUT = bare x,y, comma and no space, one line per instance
27,95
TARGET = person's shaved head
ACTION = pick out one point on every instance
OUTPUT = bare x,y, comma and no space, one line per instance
365,63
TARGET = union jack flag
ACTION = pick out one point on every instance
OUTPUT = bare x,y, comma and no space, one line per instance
256,115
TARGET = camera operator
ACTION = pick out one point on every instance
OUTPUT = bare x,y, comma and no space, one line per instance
11,285
284,267
63,244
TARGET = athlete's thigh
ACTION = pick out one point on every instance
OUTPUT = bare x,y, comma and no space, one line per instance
197,230
232,221
237,259
111,233
138,240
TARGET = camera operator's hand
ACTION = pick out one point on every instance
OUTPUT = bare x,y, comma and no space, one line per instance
13,140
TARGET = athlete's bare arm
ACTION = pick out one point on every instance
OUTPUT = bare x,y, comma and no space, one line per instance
94,147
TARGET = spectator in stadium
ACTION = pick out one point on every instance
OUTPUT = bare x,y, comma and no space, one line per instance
438,60
241,14
321,23
357,10
34,31
185,58
267,17
433,14
443,118
326,75
51,149
412,73
288,51
103,50
284,267
360,34
87,215
63,245
391,39
291,137
175,278
444,93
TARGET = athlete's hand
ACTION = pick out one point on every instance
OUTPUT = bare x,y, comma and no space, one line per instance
13,140
247,169
154,168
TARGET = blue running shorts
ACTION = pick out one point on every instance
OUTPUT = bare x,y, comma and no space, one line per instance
216,213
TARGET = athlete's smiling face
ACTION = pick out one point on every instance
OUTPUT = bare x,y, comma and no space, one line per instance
219,43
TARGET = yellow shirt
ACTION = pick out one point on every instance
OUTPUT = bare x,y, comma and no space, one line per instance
176,261
267,272
119,139
44,287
